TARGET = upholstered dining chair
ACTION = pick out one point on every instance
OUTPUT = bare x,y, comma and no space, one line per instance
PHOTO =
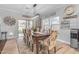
25,36
50,42
30,38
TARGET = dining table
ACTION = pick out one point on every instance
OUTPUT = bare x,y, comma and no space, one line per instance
37,36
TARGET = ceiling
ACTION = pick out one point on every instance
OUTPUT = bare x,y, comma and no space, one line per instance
19,9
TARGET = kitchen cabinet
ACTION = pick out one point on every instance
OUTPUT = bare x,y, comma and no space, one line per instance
74,23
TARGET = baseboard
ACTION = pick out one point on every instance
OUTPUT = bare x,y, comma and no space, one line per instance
64,41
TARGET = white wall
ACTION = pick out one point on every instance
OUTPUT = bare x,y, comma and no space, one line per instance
8,29
64,34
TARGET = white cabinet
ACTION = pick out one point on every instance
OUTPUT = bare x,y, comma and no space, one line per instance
65,24
77,23
73,23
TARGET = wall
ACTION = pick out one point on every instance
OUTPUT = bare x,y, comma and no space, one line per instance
64,34
8,29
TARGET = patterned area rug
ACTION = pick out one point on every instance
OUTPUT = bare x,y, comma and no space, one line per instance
61,48
17,46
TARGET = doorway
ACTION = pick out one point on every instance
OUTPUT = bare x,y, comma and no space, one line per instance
21,26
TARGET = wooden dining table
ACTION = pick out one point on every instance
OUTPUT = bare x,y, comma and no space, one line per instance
39,36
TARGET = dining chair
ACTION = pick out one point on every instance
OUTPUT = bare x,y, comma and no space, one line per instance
38,29
30,39
50,42
24,37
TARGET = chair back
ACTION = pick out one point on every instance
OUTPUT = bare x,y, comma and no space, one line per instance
53,35
24,31
52,39
30,34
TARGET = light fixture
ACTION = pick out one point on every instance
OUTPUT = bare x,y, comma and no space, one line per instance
34,12
34,5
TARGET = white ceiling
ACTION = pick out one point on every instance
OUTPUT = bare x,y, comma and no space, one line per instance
20,9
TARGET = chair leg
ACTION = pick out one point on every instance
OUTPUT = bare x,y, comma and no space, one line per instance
48,52
32,47
28,44
54,49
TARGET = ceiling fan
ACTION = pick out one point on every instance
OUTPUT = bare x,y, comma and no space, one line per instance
34,13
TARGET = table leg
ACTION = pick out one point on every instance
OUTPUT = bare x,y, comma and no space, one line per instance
37,46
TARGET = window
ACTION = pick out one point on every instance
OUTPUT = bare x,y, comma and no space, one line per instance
29,24
52,22
55,23
55,20
21,26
